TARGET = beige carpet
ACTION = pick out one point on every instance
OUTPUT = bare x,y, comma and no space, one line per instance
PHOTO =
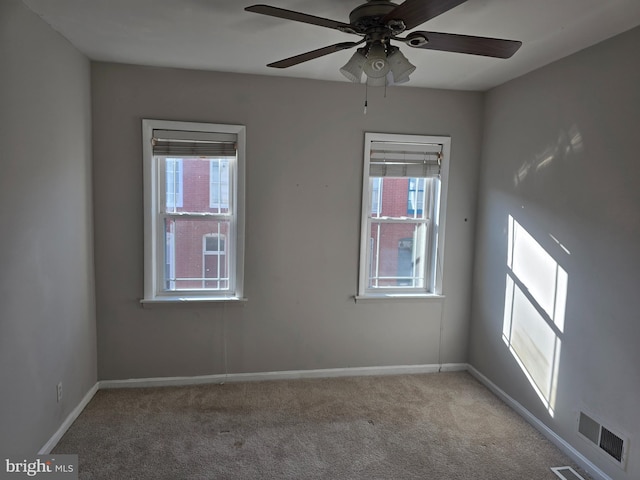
432,426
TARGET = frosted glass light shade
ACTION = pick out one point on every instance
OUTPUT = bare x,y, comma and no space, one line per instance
382,65
401,68
353,68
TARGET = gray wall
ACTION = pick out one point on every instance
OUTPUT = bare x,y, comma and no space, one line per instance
570,131
47,310
304,166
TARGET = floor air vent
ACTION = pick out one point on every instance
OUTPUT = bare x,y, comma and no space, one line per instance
614,445
566,473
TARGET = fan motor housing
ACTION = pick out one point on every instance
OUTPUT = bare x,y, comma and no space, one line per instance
370,14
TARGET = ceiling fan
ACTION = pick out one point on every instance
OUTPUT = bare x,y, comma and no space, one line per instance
379,22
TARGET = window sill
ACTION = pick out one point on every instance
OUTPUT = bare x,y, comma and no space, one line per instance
398,297
177,300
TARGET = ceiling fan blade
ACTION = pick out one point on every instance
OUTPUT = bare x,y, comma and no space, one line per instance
451,42
416,12
299,17
320,52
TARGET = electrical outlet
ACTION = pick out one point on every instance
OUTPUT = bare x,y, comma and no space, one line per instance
59,392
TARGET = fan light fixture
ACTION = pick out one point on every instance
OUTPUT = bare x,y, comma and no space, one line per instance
379,64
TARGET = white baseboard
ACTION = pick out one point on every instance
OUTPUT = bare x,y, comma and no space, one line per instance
454,367
553,437
75,413
282,375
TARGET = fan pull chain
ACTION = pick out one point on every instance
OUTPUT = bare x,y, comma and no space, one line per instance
366,96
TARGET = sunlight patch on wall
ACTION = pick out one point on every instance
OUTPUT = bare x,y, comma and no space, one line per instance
567,143
534,311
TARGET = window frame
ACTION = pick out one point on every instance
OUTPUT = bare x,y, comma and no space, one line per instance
154,291
433,285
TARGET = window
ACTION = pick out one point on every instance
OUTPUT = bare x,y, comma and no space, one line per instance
194,205
404,189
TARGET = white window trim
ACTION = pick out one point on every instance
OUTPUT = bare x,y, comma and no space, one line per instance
364,293
153,291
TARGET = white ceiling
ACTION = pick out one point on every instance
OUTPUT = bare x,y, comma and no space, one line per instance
219,35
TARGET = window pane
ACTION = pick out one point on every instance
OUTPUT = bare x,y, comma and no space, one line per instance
401,197
196,255
397,254
190,183
392,196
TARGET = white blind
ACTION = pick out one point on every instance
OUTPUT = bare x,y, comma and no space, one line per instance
393,159
179,143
